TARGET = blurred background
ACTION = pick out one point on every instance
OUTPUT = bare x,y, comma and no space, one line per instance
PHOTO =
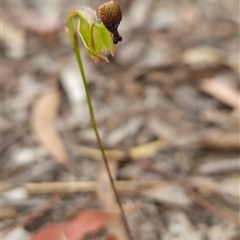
167,107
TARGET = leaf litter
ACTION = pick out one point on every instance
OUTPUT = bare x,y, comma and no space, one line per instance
181,82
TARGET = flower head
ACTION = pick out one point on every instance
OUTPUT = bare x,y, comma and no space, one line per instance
98,30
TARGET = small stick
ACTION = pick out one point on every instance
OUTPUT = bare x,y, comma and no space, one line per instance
87,186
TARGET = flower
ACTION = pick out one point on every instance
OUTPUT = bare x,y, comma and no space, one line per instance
98,30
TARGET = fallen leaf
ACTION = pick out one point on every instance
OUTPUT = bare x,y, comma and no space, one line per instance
221,92
141,151
87,221
44,117
52,231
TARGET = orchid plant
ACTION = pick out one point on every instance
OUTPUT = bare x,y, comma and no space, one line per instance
99,33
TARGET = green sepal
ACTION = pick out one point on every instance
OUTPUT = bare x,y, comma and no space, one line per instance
96,38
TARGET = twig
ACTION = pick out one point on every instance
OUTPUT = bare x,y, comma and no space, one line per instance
89,186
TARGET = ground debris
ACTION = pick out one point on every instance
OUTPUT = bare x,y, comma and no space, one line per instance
167,108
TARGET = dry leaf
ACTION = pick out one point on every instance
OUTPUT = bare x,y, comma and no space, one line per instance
44,125
221,92
52,231
140,151
87,221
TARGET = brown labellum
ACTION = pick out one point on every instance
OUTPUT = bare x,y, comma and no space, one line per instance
111,15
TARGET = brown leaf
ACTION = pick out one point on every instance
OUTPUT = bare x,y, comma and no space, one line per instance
52,231
44,117
87,221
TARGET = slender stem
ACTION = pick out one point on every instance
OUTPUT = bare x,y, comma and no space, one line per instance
74,40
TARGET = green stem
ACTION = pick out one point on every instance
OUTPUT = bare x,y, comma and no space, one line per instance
74,41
